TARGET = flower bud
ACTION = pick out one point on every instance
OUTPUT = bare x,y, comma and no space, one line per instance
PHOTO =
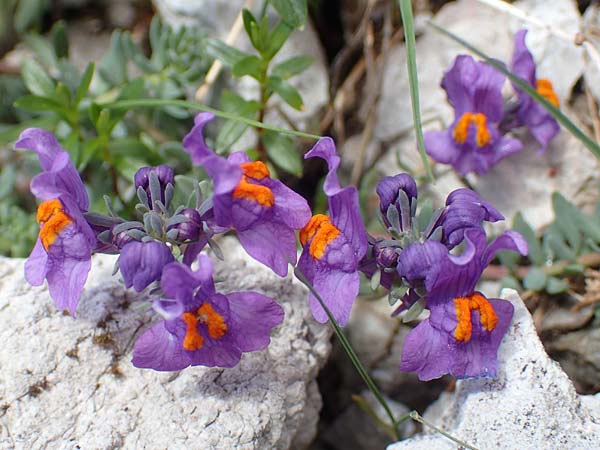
191,229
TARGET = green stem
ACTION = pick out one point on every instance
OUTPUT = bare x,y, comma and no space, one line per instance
411,62
156,102
414,415
350,352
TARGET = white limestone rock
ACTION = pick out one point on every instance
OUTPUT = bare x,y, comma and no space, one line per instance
530,405
68,383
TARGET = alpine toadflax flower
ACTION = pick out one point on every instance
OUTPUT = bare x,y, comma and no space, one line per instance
203,327
462,334
333,245
142,263
473,142
62,253
530,113
263,211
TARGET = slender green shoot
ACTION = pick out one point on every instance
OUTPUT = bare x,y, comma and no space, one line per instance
526,87
413,79
157,103
350,352
414,415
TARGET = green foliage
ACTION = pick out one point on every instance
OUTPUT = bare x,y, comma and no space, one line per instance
272,79
561,251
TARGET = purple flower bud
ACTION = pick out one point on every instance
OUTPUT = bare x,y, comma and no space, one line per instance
386,256
190,230
120,239
165,175
388,191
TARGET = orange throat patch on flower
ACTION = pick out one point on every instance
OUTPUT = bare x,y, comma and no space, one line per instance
461,130
322,232
260,194
545,89
52,219
464,306
217,328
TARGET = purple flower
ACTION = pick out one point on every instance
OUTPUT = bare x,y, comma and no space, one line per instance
530,113
334,245
142,263
465,210
473,142
203,327
264,212
62,253
464,330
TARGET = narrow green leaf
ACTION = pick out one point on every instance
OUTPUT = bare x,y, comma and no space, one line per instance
232,130
84,85
536,255
227,54
60,40
292,66
286,91
113,66
293,12
126,105
37,80
252,30
35,103
411,61
28,12
42,49
278,37
525,86
535,279
250,65
414,311
282,152
565,215
555,245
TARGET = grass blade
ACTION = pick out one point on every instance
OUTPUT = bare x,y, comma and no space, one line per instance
526,87
156,103
413,79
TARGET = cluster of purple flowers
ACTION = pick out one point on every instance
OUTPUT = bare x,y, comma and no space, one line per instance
200,326
477,139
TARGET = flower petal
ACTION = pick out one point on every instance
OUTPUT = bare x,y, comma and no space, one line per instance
158,349
142,263
509,240
253,315
36,265
426,352
270,243
338,289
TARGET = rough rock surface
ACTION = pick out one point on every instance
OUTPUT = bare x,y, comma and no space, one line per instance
531,404
68,383
567,166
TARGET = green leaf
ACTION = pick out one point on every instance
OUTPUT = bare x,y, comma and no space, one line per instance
113,66
84,85
508,258
42,49
292,66
232,130
35,103
510,282
250,65
555,245
414,311
535,279
37,80
556,286
424,215
526,87
131,147
60,40
282,152
411,62
28,13
278,37
566,213
286,91
227,54
536,255
293,12
252,30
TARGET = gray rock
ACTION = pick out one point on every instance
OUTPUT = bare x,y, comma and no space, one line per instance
68,383
531,404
